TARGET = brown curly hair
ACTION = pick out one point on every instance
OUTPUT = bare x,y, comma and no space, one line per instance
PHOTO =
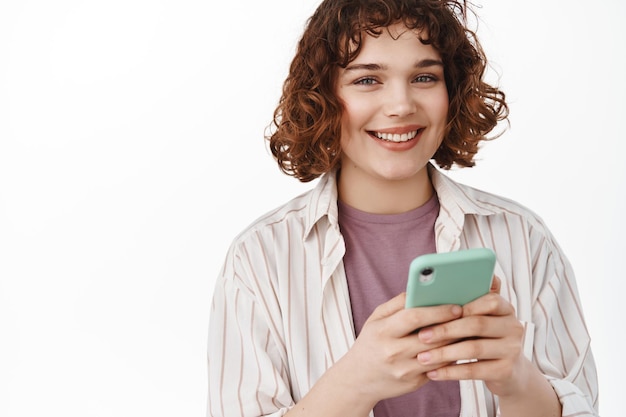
305,133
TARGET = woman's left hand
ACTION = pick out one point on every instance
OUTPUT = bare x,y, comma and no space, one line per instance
487,339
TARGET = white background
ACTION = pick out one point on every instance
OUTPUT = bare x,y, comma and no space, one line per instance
132,152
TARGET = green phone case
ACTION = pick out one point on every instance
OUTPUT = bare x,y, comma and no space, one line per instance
450,278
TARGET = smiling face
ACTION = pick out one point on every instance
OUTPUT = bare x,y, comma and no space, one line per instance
395,109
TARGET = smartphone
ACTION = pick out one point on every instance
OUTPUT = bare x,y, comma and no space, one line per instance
450,278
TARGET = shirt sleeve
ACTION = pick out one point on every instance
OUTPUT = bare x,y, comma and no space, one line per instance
562,346
246,363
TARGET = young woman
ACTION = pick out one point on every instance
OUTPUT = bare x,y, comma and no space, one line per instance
308,315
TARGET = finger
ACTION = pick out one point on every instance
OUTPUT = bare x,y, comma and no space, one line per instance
388,308
491,304
496,284
477,370
471,327
412,346
471,349
409,320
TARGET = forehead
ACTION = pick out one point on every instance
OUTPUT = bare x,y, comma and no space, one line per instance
394,42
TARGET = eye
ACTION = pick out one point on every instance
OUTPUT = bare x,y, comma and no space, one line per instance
425,78
366,81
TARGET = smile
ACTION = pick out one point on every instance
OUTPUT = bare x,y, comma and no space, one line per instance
395,137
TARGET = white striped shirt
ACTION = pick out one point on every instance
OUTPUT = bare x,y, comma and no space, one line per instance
281,312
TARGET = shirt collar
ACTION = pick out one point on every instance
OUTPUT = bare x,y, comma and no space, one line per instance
322,202
457,199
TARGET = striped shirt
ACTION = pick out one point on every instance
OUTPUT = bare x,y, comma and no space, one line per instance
281,312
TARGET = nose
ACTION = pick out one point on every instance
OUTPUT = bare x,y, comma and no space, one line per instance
399,101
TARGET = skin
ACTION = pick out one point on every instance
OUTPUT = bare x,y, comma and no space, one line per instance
395,85
385,91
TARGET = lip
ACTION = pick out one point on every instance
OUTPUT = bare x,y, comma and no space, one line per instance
398,146
397,130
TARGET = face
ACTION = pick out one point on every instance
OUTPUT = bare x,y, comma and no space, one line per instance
395,107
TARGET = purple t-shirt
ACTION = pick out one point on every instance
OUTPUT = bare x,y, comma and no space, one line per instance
379,249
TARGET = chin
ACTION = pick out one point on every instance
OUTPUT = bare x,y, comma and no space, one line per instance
400,174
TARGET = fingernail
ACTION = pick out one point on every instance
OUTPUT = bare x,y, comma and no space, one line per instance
457,310
426,335
432,375
424,357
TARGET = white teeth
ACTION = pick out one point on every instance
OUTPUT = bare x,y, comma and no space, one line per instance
394,137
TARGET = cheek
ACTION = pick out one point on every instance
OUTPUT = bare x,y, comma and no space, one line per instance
344,139
436,103
441,106
345,126
355,114
439,115
349,129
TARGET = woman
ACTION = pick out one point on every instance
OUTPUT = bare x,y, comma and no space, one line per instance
308,316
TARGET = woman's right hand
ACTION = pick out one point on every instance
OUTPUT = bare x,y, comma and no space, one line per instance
383,363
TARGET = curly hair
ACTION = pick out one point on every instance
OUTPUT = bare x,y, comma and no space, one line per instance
305,132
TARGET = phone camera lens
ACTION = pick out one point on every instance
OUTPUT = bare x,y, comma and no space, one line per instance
426,276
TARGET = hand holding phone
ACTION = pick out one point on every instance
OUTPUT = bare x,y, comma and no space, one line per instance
450,278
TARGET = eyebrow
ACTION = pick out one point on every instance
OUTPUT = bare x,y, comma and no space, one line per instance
423,63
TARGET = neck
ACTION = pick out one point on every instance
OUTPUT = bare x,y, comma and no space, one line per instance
383,196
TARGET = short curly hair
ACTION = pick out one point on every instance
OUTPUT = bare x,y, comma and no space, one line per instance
305,133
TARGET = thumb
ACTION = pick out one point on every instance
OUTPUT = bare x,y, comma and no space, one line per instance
388,308
496,284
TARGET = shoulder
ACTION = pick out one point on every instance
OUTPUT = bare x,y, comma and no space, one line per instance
477,202
292,212
294,220
500,204
485,218
252,255
513,218
517,233
263,255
